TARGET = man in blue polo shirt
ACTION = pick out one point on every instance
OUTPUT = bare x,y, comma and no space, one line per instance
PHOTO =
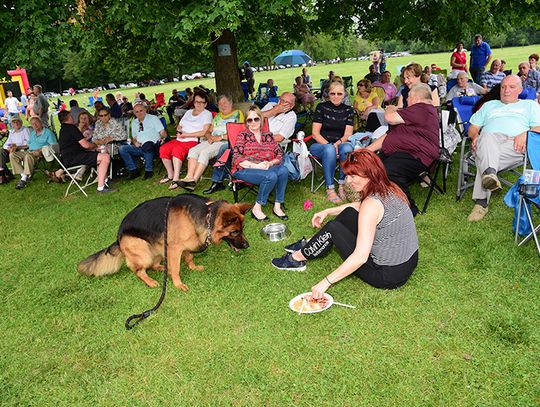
498,132
480,57
147,132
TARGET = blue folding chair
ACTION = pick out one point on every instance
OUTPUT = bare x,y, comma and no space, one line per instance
528,93
463,105
529,191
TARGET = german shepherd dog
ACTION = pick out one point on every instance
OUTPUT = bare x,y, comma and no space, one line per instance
193,223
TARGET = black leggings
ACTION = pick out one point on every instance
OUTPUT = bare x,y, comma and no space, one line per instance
342,233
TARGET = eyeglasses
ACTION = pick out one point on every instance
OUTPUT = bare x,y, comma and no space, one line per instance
200,102
141,127
253,120
103,115
336,93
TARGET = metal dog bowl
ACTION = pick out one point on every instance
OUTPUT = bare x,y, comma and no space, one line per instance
275,231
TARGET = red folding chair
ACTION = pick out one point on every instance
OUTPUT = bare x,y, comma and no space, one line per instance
233,130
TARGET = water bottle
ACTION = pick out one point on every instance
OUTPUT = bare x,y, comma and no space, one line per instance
300,135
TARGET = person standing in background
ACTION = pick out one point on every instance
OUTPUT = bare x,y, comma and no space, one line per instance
480,57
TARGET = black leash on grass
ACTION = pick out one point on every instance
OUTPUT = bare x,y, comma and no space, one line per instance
133,320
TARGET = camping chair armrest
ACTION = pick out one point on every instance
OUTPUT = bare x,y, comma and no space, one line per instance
221,161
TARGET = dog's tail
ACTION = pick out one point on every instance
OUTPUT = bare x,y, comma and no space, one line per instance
106,261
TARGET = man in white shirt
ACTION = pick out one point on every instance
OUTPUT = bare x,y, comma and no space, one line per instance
11,107
147,132
281,118
17,140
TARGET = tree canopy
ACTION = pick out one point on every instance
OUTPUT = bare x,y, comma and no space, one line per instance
99,41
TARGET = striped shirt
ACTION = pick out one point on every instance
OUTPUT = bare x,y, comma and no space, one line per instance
395,235
490,80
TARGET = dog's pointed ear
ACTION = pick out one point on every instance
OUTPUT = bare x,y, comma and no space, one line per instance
243,207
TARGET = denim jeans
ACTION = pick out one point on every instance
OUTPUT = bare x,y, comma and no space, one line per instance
327,154
276,176
129,151
218,173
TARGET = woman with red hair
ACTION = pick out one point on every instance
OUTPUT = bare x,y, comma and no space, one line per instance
376,237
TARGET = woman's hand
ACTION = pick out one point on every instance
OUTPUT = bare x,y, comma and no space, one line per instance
318,219
318,290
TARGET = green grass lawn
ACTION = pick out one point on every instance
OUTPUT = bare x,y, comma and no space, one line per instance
464,331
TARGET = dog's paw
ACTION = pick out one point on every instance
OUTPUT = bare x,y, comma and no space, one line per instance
182,286
158,267
152,283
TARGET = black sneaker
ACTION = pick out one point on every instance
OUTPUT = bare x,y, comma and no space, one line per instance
148,174
133,174
288,263
296,245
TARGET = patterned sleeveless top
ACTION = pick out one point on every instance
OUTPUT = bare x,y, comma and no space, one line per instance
395,235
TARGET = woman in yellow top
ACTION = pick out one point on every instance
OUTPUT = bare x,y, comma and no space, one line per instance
365,101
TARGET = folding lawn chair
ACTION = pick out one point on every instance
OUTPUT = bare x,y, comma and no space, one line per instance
233,130
443,162
529,191
467,167
75,175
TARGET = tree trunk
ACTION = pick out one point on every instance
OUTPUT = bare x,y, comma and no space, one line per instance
226,67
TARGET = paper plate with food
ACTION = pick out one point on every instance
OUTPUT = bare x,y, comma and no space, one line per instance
305,304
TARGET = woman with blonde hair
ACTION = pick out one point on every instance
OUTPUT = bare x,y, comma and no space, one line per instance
365,101
257,160
332,127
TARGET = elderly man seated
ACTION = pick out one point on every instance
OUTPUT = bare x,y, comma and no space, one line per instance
147,132
281,121
499,133
24,160
492,77
530,78
16,142
412,144
464,88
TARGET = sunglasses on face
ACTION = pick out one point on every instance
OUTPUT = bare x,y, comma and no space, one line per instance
336,93
103,115
253,120
200,102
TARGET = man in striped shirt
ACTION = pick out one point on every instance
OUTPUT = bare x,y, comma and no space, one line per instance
492,77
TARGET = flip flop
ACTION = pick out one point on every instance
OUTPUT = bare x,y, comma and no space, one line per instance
165,180
174,185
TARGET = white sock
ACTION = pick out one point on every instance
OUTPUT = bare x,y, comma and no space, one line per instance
101,188
24,177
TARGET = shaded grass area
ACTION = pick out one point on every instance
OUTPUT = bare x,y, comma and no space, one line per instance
464,331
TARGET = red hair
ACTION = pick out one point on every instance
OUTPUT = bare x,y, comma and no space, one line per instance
366,163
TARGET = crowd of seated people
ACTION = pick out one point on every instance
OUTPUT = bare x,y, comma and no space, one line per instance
408,147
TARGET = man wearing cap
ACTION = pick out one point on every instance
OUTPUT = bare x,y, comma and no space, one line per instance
17,141
23,161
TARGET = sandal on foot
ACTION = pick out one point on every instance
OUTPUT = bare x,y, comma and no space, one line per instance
342,193
174,185
332,196
165,180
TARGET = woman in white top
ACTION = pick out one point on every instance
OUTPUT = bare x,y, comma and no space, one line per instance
194,124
